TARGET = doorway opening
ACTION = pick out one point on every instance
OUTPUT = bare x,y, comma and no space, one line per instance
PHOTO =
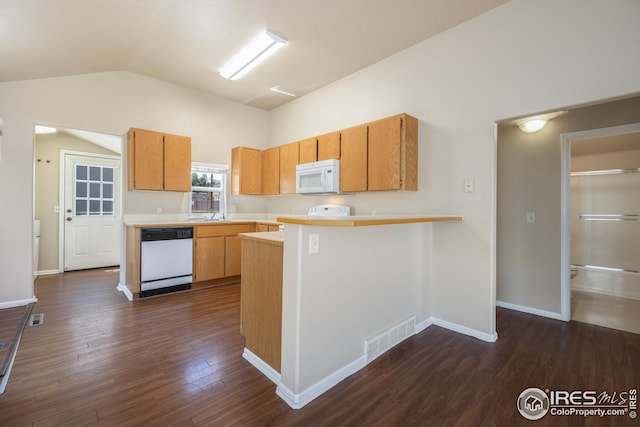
77,199
601,226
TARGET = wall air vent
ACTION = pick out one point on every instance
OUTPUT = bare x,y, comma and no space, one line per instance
389,338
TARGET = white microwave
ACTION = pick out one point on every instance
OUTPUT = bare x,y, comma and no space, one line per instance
318,177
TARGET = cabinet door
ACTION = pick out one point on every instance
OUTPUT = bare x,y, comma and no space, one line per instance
393,153
271,171
233,256
329,146
146,158
353,159
308,150
209,258
246,171
177,163
288,162
384,154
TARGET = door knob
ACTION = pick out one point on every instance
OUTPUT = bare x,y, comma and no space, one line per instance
68,218
68,210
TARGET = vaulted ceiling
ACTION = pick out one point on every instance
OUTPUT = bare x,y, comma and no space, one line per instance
187,41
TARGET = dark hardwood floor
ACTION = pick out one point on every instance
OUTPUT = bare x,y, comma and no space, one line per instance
175,360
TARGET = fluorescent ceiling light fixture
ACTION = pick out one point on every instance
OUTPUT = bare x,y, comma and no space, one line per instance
40,130
278,90
253,54
533,125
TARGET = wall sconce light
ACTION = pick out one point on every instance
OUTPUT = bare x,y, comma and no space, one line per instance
531,125
265,45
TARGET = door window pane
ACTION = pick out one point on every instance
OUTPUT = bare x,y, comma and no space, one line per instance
81,172
107,174
107,191
81,189
94,173
94,190
81,207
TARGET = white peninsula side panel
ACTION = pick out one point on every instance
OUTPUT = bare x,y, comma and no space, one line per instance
362,281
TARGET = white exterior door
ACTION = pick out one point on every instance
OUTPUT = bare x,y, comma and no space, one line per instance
92,218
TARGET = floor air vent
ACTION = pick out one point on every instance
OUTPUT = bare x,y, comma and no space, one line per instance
382,342
36,319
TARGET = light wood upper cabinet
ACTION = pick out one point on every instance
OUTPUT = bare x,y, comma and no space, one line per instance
271,171
288,161
246,171
353,159
145,160
158,161
393,154
329,146
177,160
308,150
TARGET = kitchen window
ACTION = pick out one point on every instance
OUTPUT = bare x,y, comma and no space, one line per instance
209,188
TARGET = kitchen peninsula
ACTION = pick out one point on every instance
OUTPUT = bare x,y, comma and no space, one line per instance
352,287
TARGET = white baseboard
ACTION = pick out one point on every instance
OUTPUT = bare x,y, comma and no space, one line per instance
298,400
125,290
530,310
424,325
456,328
261,366
18,303
46,272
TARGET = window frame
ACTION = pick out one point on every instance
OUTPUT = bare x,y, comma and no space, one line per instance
213,168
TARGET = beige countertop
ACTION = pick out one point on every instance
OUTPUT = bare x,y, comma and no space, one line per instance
359,221
196,222
273,237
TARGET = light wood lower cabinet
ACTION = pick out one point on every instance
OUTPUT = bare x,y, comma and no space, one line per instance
209,258
267,227
217,251
261,299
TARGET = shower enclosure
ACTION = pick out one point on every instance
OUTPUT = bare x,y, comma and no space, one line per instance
605,231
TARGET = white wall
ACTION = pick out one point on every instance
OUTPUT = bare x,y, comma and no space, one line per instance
524,57
109,103
354,288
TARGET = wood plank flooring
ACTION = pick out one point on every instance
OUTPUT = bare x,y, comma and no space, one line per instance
12,323
175,360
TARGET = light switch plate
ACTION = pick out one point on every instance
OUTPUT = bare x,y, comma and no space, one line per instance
531,217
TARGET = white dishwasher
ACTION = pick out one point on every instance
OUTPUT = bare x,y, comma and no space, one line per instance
166,260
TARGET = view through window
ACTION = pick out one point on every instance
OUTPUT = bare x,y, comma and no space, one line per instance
208,188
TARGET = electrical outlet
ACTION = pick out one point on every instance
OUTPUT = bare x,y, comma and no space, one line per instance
469,185
314,243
